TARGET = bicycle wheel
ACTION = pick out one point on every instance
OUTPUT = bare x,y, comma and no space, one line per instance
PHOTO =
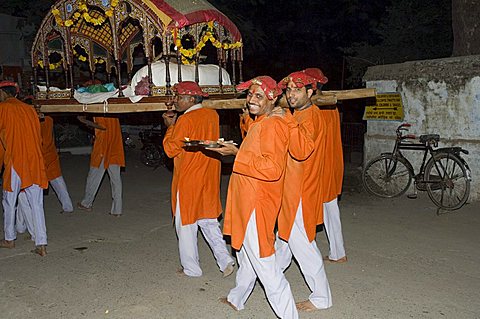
387,176
447,183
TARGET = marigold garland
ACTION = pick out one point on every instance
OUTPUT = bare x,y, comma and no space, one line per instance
51,66
188,54
83,8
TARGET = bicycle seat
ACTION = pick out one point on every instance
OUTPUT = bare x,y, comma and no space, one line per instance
429,138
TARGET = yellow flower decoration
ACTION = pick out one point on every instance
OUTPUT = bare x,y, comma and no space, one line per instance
83,8
187,54
51,66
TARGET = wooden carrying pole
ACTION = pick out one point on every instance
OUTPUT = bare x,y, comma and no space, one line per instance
124,106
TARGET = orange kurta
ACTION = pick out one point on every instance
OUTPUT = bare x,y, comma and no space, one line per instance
2,149
196,176
257,182
332,176
108,145
21,132
245,122
303,178
49,150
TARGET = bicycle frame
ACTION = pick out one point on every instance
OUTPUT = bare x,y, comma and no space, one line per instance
426,147
401,145
443,174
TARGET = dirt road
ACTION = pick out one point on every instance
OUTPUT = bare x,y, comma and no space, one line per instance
404,261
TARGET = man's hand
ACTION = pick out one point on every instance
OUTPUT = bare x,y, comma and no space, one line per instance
277,111
169,118
83,119
227,149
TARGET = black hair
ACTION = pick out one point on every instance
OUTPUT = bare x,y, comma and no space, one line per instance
10,90
198,99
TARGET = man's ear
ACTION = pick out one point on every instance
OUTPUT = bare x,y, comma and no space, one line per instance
3,95
274,100
310,93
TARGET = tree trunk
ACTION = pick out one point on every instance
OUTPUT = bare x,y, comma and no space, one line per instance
466,27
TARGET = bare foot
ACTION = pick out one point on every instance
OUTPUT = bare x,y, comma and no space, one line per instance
337,261
84,208
225,301
40,250
180,273
7,244
228,270
306,306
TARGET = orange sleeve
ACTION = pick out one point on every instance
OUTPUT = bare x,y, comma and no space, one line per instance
174,137
245,122
269,165
108,145
301,144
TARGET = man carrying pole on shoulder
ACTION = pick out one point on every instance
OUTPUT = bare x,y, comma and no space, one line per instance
254,199
301,204
196,180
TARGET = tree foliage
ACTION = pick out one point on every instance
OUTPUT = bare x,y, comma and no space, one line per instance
466,29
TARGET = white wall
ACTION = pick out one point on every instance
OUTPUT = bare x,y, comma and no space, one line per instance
439,96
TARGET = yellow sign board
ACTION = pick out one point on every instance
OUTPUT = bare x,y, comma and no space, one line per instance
388,107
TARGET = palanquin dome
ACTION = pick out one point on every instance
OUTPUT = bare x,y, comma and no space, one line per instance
110,36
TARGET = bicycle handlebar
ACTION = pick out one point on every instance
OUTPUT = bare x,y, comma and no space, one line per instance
402,127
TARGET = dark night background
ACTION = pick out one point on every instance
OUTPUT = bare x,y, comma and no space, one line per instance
342,37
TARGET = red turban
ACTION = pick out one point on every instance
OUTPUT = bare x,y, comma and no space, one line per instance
317,74
268,85
305,77
188,88
9,84
300,78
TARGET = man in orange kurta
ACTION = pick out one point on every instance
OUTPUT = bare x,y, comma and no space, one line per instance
254,199
54,176
332,178
24,166
196,180
107,154
301,203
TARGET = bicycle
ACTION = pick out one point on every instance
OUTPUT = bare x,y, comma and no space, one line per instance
445,176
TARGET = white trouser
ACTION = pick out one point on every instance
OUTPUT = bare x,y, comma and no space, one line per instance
24,216
309,259
251,266
34,196
94,179
333,227
188,247
60,188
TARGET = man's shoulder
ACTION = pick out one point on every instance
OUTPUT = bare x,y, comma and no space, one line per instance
202,112
274,121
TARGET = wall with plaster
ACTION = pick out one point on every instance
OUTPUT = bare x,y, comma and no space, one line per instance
439,96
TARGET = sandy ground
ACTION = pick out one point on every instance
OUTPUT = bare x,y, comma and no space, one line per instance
404,261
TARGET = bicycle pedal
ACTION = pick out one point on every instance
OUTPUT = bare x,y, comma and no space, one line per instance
412,196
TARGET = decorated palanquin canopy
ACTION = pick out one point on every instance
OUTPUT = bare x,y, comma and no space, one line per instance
109,36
